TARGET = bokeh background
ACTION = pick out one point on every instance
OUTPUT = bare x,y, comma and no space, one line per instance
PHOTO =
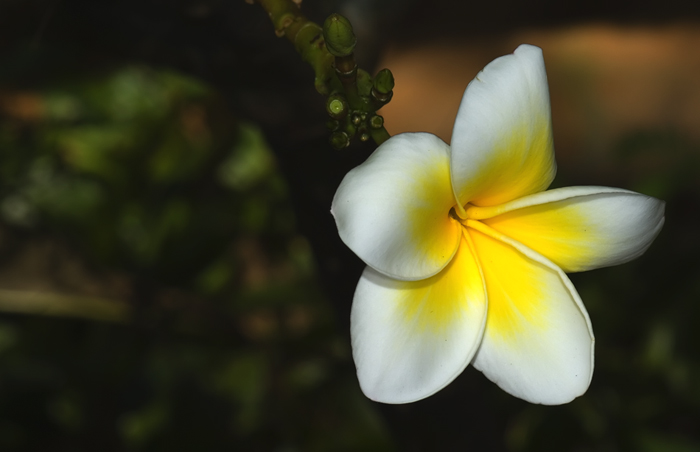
170,274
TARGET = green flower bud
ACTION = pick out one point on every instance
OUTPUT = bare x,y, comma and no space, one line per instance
376,122
337,106
339,37
384,81
332,124
339,140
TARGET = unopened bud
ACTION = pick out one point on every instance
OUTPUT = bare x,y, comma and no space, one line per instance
339,37
376,122
332,124
339,140
337,106
384,81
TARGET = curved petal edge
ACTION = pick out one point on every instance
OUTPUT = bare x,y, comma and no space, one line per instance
580,228
393,210
502,138
538,344
412,338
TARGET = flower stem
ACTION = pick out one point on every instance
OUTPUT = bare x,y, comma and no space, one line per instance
379,135
332,73
307,38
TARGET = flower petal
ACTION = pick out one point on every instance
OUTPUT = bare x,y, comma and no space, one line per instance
412,338
538,341
502,139
580,228
393,210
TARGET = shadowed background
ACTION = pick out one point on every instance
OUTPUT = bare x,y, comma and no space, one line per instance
170,275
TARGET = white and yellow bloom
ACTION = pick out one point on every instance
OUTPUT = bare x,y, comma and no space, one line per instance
467,252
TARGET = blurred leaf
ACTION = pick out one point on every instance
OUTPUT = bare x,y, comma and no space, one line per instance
249,162
50,304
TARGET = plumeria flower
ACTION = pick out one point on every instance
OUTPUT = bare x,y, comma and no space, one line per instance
466,250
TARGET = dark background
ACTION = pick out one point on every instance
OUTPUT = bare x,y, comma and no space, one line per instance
171,278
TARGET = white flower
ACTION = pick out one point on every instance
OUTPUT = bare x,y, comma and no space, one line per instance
467,253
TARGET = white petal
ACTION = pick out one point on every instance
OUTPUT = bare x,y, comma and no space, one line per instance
580,228
393,210
412,338
502,139
538,341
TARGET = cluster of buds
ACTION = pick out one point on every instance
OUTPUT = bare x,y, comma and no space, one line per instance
352,106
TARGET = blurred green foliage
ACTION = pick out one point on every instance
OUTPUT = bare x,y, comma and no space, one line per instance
143,177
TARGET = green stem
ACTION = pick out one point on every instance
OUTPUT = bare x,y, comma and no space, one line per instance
307,38
331,73
346,70
379,135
